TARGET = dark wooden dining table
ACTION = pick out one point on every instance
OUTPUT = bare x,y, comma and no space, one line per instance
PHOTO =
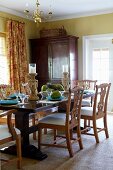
22,116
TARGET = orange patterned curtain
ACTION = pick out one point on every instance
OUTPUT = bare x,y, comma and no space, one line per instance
16,45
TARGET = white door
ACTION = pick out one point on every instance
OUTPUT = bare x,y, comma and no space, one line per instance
99,62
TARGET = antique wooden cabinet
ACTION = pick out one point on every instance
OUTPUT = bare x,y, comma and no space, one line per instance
50,54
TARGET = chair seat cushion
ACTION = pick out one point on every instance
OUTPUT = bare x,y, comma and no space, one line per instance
55,119
4,132
88,111
86,102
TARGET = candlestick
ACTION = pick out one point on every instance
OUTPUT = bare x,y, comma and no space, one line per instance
65,81
33,84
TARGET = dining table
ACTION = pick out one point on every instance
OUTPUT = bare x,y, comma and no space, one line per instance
22,117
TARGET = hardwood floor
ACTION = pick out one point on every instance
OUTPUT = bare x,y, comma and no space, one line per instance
92,157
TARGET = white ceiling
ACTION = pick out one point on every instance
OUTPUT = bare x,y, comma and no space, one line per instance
62,9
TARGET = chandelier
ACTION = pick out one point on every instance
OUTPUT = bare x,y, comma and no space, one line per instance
38,16
37,13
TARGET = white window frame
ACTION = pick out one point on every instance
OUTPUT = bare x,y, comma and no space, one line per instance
4,65
85,43
86,40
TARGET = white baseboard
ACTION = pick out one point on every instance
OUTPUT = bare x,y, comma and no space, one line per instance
108,112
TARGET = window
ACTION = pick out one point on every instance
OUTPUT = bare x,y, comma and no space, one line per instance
4,65
98,61
101,64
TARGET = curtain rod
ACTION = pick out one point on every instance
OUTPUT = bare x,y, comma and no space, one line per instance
6,18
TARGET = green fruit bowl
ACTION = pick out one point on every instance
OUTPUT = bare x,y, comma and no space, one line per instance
57,99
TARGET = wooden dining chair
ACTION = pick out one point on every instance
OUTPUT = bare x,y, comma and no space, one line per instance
97,111
88,85
34,118
64,122
9,133
5,91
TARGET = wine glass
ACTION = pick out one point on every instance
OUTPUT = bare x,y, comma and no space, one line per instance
22,98
17,93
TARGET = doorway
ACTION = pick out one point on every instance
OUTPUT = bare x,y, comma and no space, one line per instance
98,59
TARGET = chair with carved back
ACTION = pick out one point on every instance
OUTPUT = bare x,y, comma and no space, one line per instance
64,122
88,86
5,91
97,111
9,133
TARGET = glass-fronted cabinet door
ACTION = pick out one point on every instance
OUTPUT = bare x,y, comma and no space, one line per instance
59,55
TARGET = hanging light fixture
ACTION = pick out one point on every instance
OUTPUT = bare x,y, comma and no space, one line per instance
37,13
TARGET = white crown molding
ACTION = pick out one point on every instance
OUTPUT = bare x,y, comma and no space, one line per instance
13,12
77,15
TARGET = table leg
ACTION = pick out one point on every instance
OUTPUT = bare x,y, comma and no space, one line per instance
28,150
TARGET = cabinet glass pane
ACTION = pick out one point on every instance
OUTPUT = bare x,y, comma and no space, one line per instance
60,57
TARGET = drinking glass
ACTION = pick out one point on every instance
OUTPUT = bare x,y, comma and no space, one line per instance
17,93
22,98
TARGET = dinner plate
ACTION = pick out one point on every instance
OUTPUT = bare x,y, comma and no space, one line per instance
57,99
88,91
8,102
14,95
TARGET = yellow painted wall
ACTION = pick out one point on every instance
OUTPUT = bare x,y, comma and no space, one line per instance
92,25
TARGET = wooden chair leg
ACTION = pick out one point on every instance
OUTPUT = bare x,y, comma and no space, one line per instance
19,154
45,130
34,135
85,123
71,134
95,131
105,126
69,145
55,133
79,137
88,122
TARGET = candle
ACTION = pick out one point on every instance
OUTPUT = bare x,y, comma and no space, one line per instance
65,68
32,68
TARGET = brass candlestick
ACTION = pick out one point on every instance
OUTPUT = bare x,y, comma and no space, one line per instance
33,84
65,81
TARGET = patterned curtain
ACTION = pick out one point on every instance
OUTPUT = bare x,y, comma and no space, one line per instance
17,55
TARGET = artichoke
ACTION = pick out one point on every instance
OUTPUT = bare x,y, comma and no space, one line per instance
44,87
55,94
